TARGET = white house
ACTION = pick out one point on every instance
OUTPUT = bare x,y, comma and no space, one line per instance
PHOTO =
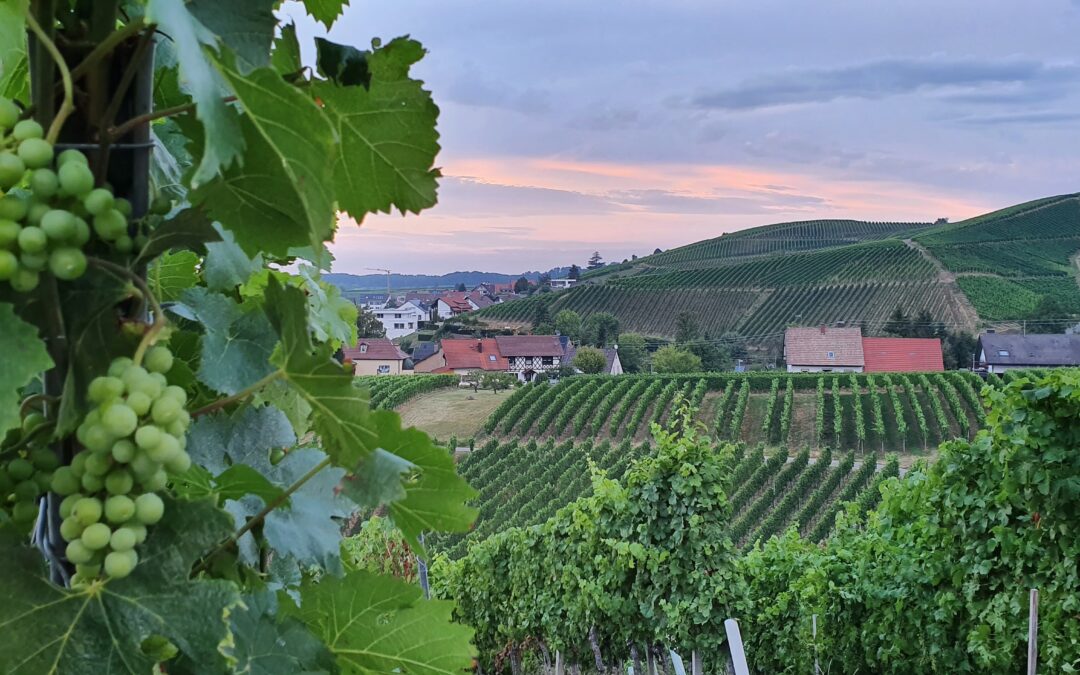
559,284
402,320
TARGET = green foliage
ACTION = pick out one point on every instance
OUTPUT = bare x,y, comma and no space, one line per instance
632,352
24,357
601,329
568,323
671,359
590,360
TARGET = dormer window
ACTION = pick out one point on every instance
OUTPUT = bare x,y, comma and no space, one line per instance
1003,352
363,349
831,355
491,357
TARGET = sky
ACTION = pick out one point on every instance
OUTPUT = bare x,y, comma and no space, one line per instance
568,126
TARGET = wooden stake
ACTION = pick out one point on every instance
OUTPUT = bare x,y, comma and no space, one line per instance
738,654
1033,631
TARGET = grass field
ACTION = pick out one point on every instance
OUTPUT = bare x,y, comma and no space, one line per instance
450,412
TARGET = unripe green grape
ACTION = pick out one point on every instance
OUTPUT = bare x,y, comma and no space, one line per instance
123,451
44,480
24,280
133,376
149,508
6,484
33,421
32,240
87,572
64,482
58,224
161,205
68,504
11,170
143,466
77,553
87,511
156,481
140,241
82,232
35,153
119,509
9,113
120,564
119,420
103,389
96,537
119,482
177,393
98,201
71,155
161,380
67,263
179,462
147,437
148,385
14,205
124,244
123,206
166,448
34,261
76,179
165,410
92,483
24,512
178,427
123,539
119,366
36,212
110,225
9,265
78,464
158,359
9,232
97,439
71,529
27,129
139,529
100,462
27,490
139,402
20,469
44,183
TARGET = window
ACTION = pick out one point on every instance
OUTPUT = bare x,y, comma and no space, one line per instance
412,325
363,349
491,357
831,355
1003,352
548,360
384,370
397,316
399,326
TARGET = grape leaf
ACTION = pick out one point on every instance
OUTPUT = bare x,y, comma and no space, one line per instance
341,63
237,343
239,480
284,196
377,479
222,143
226,265
22,358
247,26
377,624
340,411
332,317
266,644
14,80
100,628
172,273
285,58
221,440
388,140
435,496
325,11
189,229
289,401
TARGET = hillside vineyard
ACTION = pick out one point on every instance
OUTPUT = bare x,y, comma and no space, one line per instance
753,283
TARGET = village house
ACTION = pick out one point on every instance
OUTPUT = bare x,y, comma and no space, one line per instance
824,349
529,355
613,366
999,352
524,356
403,319
376,356
559,284
453,304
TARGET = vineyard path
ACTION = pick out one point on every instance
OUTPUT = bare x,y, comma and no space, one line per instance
970,316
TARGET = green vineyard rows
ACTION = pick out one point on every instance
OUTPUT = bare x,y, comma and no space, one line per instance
388,392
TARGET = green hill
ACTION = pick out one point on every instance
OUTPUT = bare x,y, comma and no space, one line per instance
995,267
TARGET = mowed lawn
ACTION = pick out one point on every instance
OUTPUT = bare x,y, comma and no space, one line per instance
451,412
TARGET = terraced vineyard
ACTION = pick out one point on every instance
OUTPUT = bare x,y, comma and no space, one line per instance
755,282
882,412
523,483
390,391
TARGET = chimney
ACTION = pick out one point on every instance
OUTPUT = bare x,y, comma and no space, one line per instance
822,329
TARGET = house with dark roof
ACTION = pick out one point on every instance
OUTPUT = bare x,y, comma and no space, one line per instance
375,356
999,352
824,349
529,355
902,355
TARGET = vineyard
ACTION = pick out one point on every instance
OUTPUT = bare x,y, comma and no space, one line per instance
884,412
388,392
523,483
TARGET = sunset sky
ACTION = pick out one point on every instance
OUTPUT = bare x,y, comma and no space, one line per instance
569,127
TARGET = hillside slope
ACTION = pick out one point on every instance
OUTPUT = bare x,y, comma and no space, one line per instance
756,282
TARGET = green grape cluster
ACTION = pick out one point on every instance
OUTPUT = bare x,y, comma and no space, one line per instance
46,203
26,475
132,439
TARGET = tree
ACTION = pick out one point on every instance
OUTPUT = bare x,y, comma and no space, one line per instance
657,251
522,285
590,360
688,336
152,337
686,328
545,281
601,329
461,287
541,320
898,324
925,326
632,352
368,325
671,359
596,261
575,273
496,380
1047,315
568,323
958,350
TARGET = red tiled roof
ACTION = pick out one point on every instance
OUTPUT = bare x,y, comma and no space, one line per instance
529,345
899,355
377,349
473,355
457,300
811,346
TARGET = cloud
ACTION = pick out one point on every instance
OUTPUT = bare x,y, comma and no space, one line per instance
475,90
876,80
1032,117
666,201
475,198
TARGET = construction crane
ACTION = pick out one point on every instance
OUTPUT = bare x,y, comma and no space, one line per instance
387,273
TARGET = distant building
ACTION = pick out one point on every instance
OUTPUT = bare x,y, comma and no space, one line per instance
371,300
559,284
902,355
999,352
453,304
376,356
464,356
613,366
824,350
529,355
402,320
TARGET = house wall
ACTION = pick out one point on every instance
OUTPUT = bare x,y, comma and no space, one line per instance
443,310
791,368
616,366
371,367
401,321
431,363
519,364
